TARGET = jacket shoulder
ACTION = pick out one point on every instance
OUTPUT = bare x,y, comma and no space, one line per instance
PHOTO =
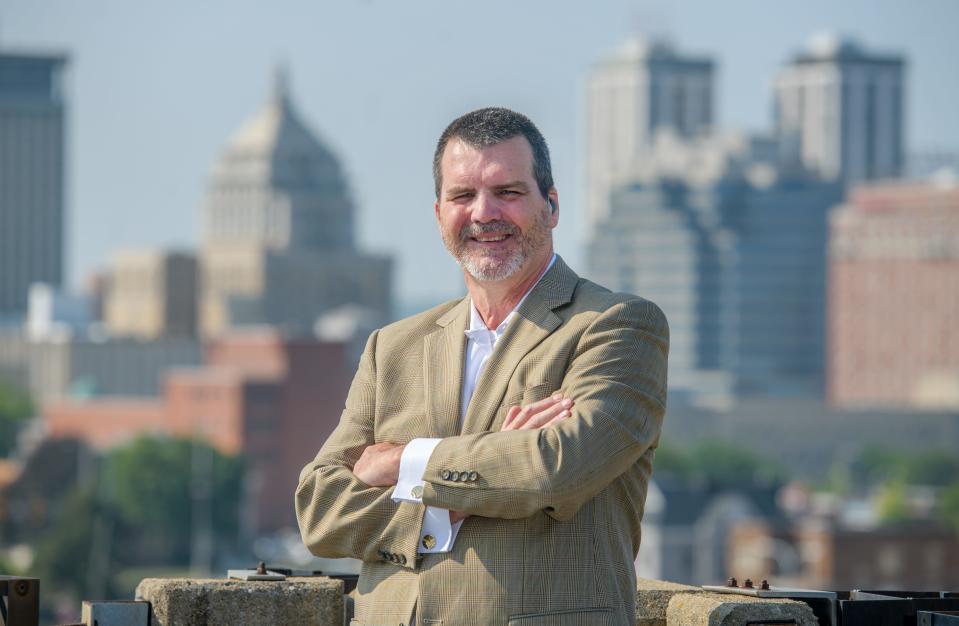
417,325
590,296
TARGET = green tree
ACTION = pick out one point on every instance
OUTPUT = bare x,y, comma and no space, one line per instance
671,461
721,463
152,484
936,468
138,512
726,464
948,509
15,410
62,556
891,503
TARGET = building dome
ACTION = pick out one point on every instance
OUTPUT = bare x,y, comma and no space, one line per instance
277,185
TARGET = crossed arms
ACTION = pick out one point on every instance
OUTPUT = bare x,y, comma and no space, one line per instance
538,462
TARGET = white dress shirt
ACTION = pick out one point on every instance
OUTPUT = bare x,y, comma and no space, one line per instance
438,534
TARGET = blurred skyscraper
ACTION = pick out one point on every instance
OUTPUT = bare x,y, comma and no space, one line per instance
729,240
845,105
278,244
32,107
640,89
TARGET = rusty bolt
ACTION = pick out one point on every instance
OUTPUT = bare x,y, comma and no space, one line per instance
21,588
748,583
731,582
261,569
764,585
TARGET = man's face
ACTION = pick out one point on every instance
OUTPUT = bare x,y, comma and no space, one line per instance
493,218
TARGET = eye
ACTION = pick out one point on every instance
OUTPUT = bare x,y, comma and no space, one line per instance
509,192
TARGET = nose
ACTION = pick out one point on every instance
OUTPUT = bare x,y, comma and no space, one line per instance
485,208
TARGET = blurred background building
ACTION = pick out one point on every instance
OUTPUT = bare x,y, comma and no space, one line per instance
643,87
32,171
846,107
894,296
279,230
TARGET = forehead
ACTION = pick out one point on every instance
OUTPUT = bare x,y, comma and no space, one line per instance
508,161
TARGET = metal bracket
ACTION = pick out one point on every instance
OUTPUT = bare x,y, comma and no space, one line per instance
20,601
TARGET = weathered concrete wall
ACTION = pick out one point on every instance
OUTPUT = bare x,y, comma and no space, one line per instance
320,602
221,602
718,609
652,599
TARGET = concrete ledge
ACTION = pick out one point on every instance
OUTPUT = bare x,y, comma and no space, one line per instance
652,598
221,602
718,609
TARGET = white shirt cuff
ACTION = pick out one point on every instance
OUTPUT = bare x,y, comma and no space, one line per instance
412,466
438,534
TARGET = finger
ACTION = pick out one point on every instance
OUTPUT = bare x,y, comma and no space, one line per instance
510,417
538,419
529,411
546,402
559,418
544,418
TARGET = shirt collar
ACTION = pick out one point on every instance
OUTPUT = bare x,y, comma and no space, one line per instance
477,325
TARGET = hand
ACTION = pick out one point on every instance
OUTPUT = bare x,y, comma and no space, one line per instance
540,414
379,465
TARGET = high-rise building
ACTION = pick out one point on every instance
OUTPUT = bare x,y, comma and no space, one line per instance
894,296
845,106
731,244
642,88
150,294
279,245
32,107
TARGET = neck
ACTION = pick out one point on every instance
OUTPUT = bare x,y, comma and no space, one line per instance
494,300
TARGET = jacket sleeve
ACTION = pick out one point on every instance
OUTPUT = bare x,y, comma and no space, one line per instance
617,380
338,514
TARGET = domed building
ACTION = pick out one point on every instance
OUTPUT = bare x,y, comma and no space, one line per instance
278,230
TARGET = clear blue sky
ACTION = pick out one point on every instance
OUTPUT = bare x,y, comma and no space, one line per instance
156,88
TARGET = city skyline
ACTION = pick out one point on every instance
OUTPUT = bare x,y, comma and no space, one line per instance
152,99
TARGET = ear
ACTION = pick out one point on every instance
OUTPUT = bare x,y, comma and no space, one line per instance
553,207
436,210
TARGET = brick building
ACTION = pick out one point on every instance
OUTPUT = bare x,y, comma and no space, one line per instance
894,297
819,554
273,400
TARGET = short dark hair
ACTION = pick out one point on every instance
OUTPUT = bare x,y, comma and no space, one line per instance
490,126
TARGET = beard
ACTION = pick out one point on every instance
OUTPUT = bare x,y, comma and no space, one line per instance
493,265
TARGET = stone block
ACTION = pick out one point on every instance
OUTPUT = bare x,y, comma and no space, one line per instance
720,609
221,602
652,598
116,613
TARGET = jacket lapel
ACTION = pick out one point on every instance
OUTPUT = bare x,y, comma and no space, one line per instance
533,322
443,359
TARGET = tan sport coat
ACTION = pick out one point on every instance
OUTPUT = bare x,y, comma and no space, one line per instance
555,513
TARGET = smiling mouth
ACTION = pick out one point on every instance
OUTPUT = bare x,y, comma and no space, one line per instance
490,238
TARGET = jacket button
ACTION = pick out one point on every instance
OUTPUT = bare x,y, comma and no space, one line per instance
429,541
417,491
473,476
402,559
464,476
445,474
454,475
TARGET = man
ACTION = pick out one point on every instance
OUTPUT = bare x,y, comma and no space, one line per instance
491,463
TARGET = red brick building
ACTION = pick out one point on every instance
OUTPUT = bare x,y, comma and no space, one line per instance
894,297
273,400
819,554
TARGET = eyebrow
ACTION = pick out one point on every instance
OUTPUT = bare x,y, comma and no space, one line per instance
516,184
